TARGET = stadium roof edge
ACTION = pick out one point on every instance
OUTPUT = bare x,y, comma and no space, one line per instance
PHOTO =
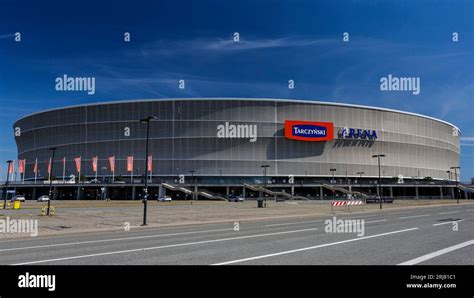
243,99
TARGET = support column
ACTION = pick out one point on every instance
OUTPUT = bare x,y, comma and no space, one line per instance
133,192
441,192
452,193
321,192
227,191
243,192
391,191
292,190
416,192
78,195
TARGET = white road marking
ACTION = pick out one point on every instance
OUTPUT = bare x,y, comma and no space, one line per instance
400,213
115,239
292,223
414,216
312,247
469,209
163,246
437,253
448,212
367,222
355,217
448,222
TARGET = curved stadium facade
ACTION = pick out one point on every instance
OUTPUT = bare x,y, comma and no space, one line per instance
235,137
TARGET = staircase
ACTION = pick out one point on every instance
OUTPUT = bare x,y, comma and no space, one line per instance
273,193
343,190
190,192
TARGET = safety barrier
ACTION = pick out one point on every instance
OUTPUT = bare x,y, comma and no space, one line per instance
16,205
44,209
346,204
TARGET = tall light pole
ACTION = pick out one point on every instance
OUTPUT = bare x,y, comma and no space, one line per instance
51,164
265,181
194,183
146,121
360,177
5,191
332,171
378,156
447,181
103,173
457,181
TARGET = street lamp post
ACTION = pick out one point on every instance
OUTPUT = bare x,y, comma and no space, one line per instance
360,178
103,173
265,181
447,181
194,184
5,192
146,120
332,171
53,150
378,156
457,182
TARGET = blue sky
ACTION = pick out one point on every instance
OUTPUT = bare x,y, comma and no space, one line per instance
279,40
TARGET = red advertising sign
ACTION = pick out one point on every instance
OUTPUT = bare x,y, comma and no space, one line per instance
309,131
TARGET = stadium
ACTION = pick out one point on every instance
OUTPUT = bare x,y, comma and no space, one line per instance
214,147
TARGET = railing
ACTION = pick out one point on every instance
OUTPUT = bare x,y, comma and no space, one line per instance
273,193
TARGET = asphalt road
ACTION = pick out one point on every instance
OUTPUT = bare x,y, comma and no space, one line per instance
441,235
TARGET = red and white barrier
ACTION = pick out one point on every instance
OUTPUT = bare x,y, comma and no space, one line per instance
351,203
346,204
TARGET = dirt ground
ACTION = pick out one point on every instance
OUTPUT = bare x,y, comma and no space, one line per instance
97,216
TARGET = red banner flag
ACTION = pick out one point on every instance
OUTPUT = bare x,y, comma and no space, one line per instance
11,167
112,163
130,163
35,168
150,163
21,165
78,164
49,165
94,164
